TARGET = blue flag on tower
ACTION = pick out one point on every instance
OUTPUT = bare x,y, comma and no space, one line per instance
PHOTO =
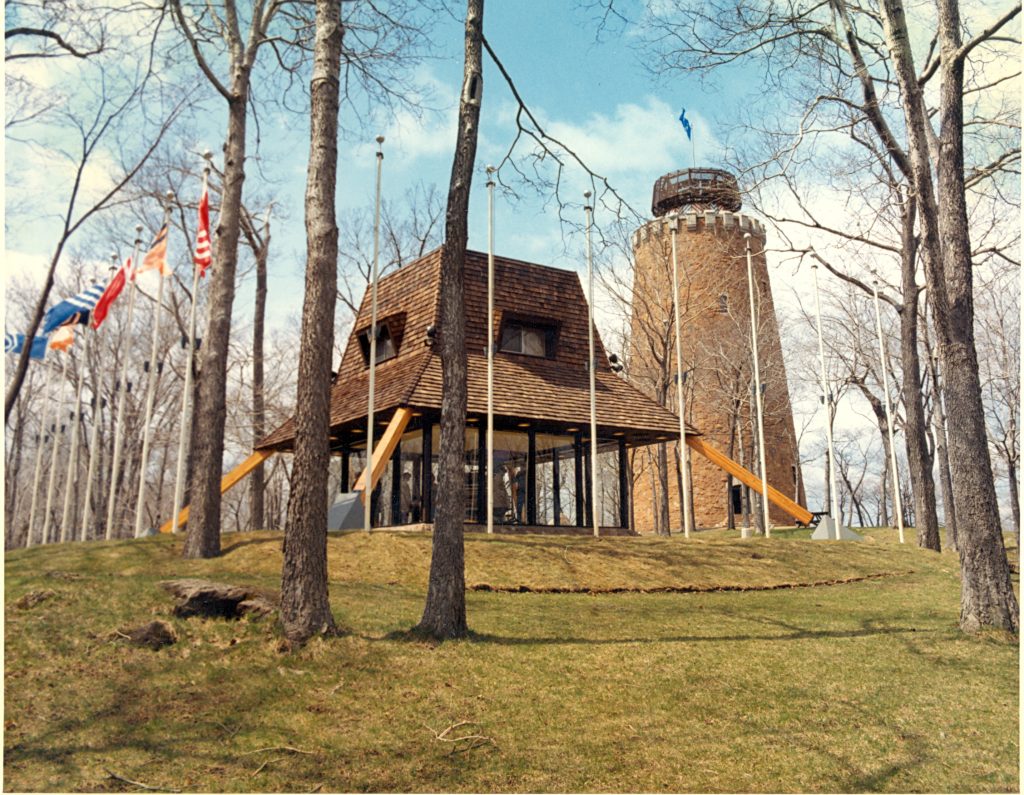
74,310
15,343
686,124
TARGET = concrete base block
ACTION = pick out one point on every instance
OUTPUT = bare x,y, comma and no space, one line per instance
827,531
346,513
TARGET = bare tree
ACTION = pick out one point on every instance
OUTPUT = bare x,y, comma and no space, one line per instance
305,609
444,615
199,26
90,134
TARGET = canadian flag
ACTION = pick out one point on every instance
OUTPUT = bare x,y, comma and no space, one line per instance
204,252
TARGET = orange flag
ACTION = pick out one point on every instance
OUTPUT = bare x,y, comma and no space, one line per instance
156,257
62,338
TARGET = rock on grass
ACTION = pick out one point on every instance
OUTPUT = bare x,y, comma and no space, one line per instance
218,600
154,635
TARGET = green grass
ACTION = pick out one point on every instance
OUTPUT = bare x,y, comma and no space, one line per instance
863,686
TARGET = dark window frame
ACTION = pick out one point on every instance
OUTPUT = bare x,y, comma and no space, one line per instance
392,327
549,328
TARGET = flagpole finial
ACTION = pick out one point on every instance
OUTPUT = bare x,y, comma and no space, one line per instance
380,143
490,176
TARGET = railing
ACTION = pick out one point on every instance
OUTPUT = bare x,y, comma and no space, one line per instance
707,187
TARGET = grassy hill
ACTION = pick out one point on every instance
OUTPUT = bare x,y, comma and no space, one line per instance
626,664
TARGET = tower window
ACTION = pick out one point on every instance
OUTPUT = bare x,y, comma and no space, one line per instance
529,339
723,304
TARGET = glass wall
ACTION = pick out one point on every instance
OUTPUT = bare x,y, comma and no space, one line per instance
510,477
471,469
410,497
608,483
556,493
556,480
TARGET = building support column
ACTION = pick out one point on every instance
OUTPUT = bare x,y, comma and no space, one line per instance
428,472
623,485
577,448
482,474
556,494
531,477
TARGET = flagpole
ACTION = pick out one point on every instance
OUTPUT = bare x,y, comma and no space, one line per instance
680,384
826,396
151,385
757,391
122,390
39,455
592,368
896,498
368,475
51,485
94,436
72,477
186,393
490,350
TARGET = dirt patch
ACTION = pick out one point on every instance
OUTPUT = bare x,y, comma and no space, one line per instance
218,600
483,586
154,635
63,575
32,598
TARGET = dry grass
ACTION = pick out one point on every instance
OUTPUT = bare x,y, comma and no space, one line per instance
863,686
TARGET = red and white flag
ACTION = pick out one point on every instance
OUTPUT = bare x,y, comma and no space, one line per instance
99,312
203,257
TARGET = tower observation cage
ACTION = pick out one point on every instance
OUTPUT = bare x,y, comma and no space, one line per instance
696,190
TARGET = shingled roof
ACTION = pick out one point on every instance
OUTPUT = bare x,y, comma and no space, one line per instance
550,390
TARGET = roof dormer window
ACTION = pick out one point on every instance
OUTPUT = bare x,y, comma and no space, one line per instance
386,348
528,338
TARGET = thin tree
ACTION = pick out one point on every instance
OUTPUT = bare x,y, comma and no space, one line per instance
210,410
444,615
305,609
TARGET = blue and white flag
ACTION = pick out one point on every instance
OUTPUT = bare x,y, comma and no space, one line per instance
74,310
15,343
686,124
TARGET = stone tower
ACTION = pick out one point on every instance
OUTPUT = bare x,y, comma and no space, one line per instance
703,206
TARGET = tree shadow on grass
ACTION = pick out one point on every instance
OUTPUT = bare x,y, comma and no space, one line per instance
789,632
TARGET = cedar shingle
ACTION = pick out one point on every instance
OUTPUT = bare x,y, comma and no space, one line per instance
525,387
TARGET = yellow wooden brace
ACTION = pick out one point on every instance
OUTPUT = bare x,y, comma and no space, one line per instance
776,497
382,452
229,480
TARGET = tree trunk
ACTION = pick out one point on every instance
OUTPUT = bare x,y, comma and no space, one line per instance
662,519
257,482
444,615
210,410
915,430
945,479
305,609
1011,474
986,597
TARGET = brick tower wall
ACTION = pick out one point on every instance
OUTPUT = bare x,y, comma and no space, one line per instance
715,317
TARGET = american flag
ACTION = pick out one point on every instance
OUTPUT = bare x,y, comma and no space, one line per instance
203,257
